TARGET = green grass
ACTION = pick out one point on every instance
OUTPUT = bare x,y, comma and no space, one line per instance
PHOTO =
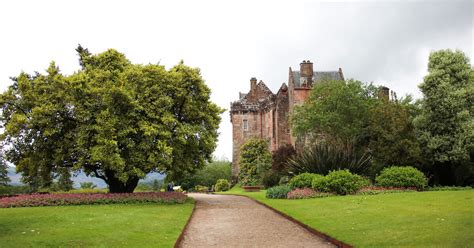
414,219
118,225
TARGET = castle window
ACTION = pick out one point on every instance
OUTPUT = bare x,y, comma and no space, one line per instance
246,125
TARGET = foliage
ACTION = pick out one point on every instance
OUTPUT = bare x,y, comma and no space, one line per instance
446,122
94,225
201,188
222,185
448,188
353,116
84,191
323,157
255,160
36,200
64,182
115,120
306,193
88,185
281,156
302,180
336,111
207,176
278,192
14,190
4,179
391,135
320,183
271,178
398,176
343,182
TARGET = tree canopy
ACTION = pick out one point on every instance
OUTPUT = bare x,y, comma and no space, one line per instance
445,124
112,119
353,114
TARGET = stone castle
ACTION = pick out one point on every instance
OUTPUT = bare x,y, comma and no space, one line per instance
262,114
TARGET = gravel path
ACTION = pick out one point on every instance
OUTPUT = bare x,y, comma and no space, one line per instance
236,221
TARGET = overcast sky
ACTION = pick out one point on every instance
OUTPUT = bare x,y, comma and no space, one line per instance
382,42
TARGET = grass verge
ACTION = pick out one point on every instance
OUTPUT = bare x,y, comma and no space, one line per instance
118,225
412,219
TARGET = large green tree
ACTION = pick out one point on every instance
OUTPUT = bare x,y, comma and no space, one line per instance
112,119
351,113
446,122
336,111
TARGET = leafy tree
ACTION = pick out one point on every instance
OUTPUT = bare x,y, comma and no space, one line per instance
336,111
64,181
255,160
113,119
446,122
354,115
391,135
4,179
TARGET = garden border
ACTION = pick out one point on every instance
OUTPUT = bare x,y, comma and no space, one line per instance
326,237
180,239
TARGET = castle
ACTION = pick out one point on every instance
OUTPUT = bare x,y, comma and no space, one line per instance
265,115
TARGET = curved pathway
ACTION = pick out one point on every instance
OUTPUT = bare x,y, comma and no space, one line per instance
236,221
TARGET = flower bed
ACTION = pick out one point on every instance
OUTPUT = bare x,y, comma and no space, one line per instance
36,200
306,193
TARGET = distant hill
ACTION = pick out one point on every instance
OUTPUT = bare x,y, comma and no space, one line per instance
81,177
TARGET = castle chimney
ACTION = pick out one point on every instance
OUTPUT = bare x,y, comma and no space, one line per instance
253,84
253,87
306,69
384,93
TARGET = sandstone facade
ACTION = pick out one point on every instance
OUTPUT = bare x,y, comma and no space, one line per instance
262,114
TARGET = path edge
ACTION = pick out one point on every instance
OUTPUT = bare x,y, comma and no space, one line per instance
322,235
180,239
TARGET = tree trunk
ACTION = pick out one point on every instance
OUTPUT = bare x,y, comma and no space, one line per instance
117,186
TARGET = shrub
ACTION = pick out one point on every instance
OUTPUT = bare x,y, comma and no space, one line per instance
271,178
320,184
303,180
222,185
255,160
306,193
201,188
281,156
323,158
14,190
343,182
207,176
88,185
278,192
397,176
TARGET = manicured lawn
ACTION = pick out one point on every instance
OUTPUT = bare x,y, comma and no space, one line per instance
414,219
118,225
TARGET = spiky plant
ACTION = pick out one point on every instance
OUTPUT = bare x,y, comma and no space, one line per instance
323,158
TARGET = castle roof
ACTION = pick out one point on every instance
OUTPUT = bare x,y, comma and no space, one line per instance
249,103
317,76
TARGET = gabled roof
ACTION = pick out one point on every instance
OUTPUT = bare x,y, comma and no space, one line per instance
317,76
247,103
